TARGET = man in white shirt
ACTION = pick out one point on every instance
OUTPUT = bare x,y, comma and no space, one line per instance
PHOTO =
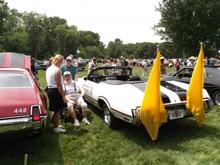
92,65
74,96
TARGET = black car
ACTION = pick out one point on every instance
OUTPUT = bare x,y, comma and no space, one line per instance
211,84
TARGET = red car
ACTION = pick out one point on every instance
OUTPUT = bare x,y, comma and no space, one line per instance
22,103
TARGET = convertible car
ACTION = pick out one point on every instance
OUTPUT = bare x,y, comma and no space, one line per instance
211,84
119,94
22,103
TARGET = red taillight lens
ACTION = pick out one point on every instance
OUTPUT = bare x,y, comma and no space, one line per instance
35,114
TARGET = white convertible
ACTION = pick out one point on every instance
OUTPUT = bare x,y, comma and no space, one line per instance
119,94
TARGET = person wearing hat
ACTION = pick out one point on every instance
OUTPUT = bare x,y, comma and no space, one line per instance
74,95
92,65
190,61
162,66
68,66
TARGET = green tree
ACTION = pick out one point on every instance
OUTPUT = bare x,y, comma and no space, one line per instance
88,38
33,23
115,49
13,36
50,43
67,38
187,22
4,12
90,44
17,42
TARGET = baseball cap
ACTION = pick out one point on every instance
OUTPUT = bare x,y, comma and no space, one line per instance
69,58
66,73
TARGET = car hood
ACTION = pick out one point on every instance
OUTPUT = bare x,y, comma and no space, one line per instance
16,101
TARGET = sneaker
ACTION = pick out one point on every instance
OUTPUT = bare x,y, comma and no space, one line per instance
59,130
76,123
85,120
51,125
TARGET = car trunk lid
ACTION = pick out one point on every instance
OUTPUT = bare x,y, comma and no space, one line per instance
16,102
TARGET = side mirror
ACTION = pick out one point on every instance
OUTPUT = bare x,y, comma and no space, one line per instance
85,78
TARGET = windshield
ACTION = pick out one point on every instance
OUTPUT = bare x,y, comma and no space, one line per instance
14,79
112,71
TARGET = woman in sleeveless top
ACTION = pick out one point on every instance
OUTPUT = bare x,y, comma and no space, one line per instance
55,91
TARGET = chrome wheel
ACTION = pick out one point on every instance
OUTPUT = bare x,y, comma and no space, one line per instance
107,116
109,119
216,97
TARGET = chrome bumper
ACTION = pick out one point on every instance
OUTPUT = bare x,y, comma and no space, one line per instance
174,107
24,123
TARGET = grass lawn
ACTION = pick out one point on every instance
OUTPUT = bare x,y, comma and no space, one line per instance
180,142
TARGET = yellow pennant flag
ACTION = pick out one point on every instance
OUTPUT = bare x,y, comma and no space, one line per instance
152,112
194,93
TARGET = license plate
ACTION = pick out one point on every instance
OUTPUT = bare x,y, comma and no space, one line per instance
176,114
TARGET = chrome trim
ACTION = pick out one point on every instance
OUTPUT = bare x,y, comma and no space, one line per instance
136,115
172,107
15,121
4,118
37,105
19,120
17,124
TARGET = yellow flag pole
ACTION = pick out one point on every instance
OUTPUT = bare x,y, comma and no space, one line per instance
194,92
152,111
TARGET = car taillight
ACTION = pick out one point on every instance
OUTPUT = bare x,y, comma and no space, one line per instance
35,113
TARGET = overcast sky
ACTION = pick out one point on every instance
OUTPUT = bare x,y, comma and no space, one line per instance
130,20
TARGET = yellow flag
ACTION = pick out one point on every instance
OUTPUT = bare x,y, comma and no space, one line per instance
152,112
194,93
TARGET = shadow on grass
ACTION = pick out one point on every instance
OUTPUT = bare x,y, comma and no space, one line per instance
171,134
44,149
75,131
15,146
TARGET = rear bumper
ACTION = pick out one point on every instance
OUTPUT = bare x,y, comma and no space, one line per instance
179,110
181,107
24,123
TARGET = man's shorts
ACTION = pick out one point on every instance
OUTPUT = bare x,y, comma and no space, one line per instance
80,102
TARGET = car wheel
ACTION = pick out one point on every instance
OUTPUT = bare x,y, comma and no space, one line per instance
216,97
109,119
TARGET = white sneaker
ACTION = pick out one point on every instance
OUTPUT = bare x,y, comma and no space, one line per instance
59,130
76,123
85,120
51,125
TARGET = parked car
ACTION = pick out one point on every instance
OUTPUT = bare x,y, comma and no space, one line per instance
22,103
41,65
119,94
211,83
80,64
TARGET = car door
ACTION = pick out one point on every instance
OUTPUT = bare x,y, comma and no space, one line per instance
90,88
92,85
